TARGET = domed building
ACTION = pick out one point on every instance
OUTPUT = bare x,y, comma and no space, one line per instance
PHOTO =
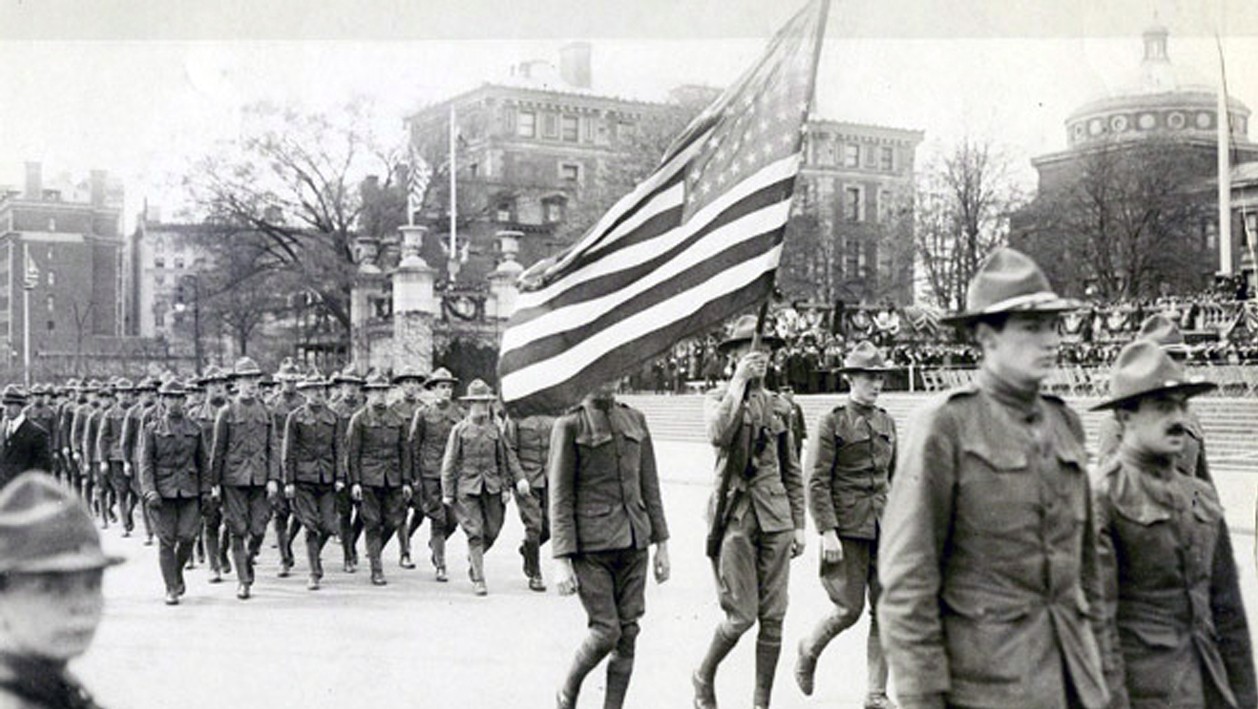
1161,108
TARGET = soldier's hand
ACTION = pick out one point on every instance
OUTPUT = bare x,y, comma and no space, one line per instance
65,452
216,492
447,501
407,492
103,466
78,458
339,485
566,582
801,541
126,468
523,487
753,365
152,500
290,491
831,549
663,569
356,493
272,489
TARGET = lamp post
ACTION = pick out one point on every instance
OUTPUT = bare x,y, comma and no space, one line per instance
181,305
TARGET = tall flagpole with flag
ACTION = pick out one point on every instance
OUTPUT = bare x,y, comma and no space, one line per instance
696,242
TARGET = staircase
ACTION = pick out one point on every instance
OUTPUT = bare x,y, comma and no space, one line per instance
1231,424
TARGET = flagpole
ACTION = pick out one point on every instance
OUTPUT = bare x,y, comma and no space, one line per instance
1223,138
454,190
26,314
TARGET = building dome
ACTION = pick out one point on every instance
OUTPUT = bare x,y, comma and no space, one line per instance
1159,99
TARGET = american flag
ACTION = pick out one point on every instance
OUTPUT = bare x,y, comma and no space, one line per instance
696,242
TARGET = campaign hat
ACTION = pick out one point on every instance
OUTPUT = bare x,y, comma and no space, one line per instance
743,331
246,367
408,371
478,390
441,375
864,357
13,394
376,380
1164,332
1145,369
1008,281
46,528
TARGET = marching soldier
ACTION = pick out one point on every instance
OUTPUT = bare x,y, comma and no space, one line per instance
78,438
75,397
411,382
345,403
110,454
430,431
243,465
988,557
1176,629
379,470
105,397
606,509
757,512
528,442
1190,461
132,433
313,436
214,534
476,478
174,477
848,475
285,401
44,414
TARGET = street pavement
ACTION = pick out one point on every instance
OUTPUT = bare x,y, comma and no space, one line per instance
418,643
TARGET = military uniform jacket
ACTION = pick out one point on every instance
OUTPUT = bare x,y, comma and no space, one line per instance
65,422
377,451
406,408
476,460
133,430
91,428
1191,460
313,436
528,439
1172,599
46,417
430,431
774,486
109,436
852,458
987,558
604,486
345,408
206,415
173,461
78,428
243,445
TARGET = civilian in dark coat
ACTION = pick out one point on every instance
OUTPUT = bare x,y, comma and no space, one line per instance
25,445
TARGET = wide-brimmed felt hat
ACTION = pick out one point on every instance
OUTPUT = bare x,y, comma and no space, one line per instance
441,375
408,372
1008,281
1163,332
478,390
13,394
376,380
864,357
174,387
246,367
123,384
288,371
214,374
39,388
148,384
1144,369
313,381
347,376
92,385
744,329
45,528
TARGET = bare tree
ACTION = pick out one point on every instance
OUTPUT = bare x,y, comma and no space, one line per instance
962,211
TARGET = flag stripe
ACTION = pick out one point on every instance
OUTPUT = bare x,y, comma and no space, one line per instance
624,278
551,321
649,330
782,169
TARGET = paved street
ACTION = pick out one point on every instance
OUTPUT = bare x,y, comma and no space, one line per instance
420,643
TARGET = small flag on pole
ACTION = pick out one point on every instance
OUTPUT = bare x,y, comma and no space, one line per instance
696,242
418,175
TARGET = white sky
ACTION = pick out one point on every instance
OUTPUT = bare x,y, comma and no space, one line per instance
140,88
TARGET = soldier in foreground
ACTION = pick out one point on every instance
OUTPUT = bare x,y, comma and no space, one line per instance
607,510
430,431
379,470
174,475
51,564
988,558
410,381
347,400
214,534
849,472
528,442
313,436
757,512
1177,630
285,401
476,477
110,455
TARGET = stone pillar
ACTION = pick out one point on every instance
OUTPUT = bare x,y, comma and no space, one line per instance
502,282
366,282
415,304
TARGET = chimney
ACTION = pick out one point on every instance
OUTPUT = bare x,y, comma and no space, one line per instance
34,181
98,188
574,64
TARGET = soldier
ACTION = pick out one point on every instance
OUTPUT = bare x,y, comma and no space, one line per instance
528,443
78,427
243,465
848,475
345,403
214,534
132,433
43,413
1176,629
75,397
987,556
411,382
313,436
110,454
476,478
284,402
106,396
24,444
51,564
1190,461
757,512
379,470
430,431
799,427
606,509
174,476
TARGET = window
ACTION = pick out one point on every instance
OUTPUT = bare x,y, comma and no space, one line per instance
52,277
526,125
886,159
504,211
52,224
52,303
159,279
871,156
569,129
624,130
569,172
550,125
884,206
159,262
853,205
554,209
159,315
851,155
52,325
473,170
178,263
603,133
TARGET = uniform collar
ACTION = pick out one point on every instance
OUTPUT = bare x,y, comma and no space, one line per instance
1020,398
1161,466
